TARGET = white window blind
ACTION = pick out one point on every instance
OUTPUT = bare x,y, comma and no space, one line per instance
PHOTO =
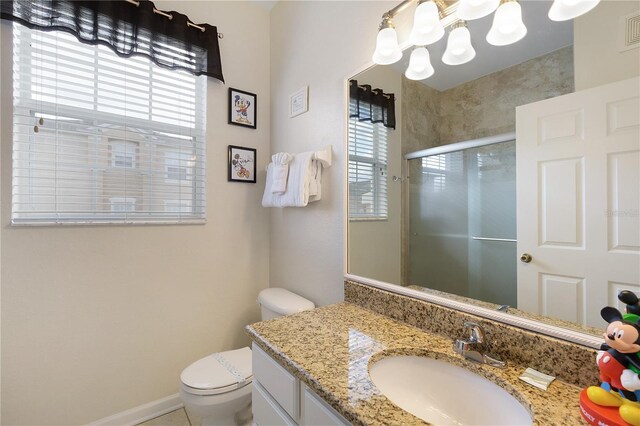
367,170
121,138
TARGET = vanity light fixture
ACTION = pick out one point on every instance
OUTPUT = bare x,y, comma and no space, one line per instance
427,28
419,64
563,10
432,16
459,49
507,27
475,9
387,48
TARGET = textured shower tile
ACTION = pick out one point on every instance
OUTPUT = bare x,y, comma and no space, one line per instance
331,348
481,107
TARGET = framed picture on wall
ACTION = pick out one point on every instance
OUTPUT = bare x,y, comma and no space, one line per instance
242,164
242,108
299,102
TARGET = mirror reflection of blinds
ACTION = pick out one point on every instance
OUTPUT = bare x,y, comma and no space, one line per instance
114,128
367,170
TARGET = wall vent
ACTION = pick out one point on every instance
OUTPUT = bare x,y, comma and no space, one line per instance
630,31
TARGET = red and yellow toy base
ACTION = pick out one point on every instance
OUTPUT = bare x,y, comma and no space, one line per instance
609,414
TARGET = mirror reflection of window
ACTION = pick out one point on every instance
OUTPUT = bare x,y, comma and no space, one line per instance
367,170
433,168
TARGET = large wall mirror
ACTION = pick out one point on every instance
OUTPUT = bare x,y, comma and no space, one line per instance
433,200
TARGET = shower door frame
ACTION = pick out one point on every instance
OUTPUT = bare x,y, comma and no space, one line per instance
460,146
438,150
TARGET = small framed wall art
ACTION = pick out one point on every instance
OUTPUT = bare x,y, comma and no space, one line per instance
242,164
242,108
299,102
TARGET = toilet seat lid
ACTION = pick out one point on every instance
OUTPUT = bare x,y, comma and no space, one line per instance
219,372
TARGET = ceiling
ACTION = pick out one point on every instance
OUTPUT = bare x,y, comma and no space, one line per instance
543,36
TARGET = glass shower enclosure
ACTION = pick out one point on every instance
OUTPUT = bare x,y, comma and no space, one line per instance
462,220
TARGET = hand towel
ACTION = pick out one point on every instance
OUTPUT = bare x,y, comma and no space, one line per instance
315,185
280,172
298,182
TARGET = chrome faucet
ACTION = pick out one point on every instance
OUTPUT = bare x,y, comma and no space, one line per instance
475,347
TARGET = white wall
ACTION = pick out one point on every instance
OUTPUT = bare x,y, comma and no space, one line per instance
375,245
97,320
319,43
598,59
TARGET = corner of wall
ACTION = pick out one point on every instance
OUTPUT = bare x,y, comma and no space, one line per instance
598,54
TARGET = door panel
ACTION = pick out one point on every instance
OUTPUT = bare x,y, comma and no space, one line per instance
561,196
566,126
563,297
578,206
624,202
623,116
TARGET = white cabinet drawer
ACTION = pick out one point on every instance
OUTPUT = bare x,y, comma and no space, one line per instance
316,412
265,410
277,381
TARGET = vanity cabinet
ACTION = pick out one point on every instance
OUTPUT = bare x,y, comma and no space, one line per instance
281,399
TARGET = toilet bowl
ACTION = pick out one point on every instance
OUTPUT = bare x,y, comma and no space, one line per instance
217,388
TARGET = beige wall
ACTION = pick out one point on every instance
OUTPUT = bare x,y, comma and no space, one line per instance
320,44
98,320
375,246
598,59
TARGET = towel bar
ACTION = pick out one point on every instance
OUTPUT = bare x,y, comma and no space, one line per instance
323,156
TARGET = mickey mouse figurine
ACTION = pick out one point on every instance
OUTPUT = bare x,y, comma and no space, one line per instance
619,361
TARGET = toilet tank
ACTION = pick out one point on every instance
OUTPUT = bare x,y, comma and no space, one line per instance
276,302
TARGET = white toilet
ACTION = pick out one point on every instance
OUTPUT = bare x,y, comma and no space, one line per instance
218,387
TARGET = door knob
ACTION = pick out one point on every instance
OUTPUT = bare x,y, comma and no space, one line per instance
525,258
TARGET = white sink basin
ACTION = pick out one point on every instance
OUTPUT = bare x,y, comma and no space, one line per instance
444,394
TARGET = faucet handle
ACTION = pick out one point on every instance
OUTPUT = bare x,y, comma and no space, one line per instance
476,333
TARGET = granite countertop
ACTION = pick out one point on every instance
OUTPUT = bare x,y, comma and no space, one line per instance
330,348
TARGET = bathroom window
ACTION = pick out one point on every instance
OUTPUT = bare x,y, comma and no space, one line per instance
367,170
93,131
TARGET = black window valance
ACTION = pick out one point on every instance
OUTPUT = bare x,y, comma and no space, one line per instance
367,104
128,28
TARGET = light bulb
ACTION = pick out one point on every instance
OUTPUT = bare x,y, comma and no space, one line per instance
459,49
475,9
387,48
563,10
507,25
419,64
427,28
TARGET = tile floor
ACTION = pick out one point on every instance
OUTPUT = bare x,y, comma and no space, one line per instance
180,417
174,418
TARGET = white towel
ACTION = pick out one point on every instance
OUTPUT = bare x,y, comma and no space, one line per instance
315,185
298,183
280,172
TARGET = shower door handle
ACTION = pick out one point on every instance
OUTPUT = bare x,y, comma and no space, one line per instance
526,258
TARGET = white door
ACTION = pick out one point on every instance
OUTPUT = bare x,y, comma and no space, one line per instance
578,186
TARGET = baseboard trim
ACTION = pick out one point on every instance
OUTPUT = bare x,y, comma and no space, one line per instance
142,413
